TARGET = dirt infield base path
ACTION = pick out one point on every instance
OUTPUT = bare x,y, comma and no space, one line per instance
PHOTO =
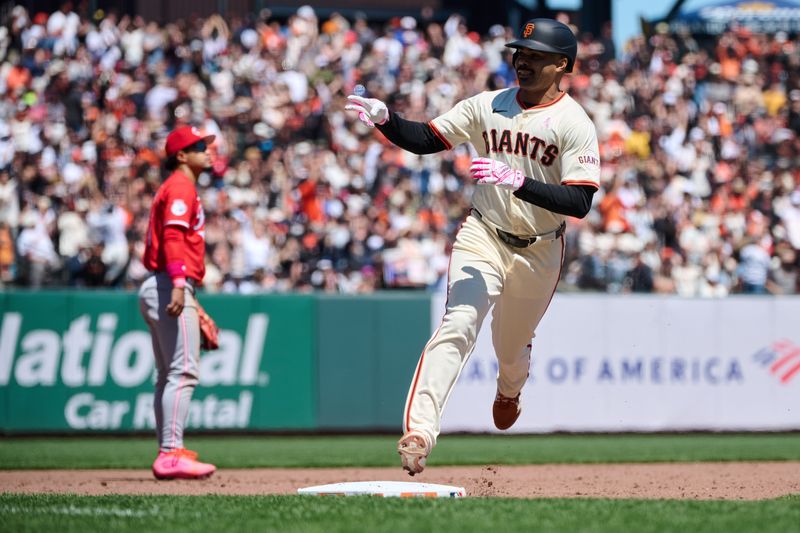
695,481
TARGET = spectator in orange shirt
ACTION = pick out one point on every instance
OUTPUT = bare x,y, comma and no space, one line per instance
7,256
310,203
613,211
18,78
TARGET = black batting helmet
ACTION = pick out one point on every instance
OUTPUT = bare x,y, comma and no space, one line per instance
548,35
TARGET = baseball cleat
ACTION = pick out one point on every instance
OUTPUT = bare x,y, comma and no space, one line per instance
181,464
414,448
505,410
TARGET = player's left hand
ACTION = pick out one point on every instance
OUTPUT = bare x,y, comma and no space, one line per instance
490,171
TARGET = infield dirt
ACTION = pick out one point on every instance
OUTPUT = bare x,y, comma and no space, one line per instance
695,481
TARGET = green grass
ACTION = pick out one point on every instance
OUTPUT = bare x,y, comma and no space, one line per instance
321,451
331,514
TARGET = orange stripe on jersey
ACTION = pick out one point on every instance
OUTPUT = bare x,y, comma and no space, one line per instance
522,105
440,136
581,182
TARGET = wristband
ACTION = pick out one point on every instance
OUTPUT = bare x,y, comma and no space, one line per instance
179,283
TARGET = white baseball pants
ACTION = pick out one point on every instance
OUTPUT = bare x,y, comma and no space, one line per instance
485,273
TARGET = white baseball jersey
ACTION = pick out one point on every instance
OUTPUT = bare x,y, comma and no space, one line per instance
554,143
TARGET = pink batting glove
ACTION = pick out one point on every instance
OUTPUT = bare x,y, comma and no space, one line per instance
365,119
492,172
371,111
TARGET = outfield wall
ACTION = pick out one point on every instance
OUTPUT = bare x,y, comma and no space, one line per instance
646,363
82,362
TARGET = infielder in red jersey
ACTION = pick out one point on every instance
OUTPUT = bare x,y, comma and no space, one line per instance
539,163
174,253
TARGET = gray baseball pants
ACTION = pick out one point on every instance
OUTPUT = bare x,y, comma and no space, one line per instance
176,346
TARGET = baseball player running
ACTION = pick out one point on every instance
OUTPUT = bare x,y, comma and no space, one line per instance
174,252
539,163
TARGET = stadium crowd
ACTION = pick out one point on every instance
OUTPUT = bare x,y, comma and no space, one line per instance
699,142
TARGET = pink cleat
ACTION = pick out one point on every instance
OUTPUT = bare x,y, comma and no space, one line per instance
181,464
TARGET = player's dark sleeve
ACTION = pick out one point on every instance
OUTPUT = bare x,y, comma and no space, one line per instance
571,200
416,137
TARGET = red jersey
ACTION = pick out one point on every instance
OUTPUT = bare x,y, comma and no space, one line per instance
177,203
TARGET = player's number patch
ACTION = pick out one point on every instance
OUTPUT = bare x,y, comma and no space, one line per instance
178,208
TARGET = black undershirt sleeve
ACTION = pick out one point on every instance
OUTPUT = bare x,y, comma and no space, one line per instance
419,138
416,137
571,200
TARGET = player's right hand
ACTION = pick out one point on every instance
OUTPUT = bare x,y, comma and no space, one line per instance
175,306
371,111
